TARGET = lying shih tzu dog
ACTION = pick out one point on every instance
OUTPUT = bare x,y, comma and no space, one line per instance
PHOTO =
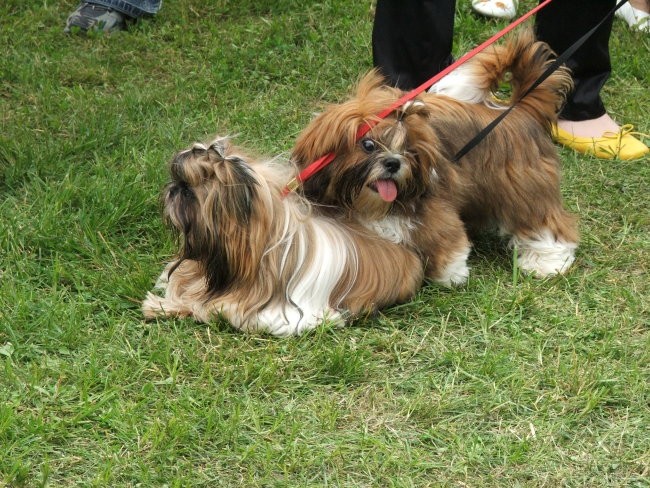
401,182
265,262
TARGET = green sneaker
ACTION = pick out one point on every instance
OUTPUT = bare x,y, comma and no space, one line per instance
92,17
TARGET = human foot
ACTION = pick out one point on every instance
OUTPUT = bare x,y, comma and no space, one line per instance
589,128
601,137
93,17
501,9
636,14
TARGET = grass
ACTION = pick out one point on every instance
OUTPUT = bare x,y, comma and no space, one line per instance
508,381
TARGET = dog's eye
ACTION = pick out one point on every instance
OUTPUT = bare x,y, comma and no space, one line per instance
368,145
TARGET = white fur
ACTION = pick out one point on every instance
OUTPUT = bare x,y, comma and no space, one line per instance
457,271
462,84
545,255
163,279
392,228
412,103
307,300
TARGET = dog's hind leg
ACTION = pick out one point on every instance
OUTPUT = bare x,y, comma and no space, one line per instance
549,248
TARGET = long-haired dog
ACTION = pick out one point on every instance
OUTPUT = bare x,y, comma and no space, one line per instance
264,262
400,180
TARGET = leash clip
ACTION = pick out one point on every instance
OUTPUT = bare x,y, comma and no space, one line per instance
290,187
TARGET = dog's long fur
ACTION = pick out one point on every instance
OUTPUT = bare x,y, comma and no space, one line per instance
400,181
264,262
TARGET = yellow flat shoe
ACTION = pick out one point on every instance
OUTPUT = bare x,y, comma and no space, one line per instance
611,145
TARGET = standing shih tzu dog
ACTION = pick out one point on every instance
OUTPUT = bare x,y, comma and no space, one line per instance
264,262
401,182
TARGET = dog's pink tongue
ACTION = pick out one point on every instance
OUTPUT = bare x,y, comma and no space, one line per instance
387,190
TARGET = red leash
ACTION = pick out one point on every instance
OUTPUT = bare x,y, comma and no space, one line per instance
323,161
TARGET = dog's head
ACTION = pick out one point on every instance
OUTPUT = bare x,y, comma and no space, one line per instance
212,200
387,170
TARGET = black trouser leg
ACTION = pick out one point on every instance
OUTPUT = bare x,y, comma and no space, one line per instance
412,39
560,24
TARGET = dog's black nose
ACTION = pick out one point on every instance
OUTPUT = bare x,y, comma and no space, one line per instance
392,165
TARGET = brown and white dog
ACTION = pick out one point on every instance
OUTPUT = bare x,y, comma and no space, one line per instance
264,262
399,180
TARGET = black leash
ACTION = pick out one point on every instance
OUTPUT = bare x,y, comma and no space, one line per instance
555,65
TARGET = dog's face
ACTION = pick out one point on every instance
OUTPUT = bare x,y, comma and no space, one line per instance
385,171
211,201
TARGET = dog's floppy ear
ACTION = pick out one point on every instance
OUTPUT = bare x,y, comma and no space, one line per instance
197,244
335,129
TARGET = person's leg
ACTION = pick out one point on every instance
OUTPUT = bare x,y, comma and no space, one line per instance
412,39
560,24
584,122
132,8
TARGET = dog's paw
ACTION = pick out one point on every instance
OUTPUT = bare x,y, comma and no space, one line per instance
153,306
544,256
456,272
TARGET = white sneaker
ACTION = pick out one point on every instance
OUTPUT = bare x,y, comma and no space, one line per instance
635,18
501,9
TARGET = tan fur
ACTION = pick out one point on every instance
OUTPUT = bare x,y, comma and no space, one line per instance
511,180
265,262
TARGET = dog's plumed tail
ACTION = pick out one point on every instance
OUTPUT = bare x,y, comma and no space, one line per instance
518,63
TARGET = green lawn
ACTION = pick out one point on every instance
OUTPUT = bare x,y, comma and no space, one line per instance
508,381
